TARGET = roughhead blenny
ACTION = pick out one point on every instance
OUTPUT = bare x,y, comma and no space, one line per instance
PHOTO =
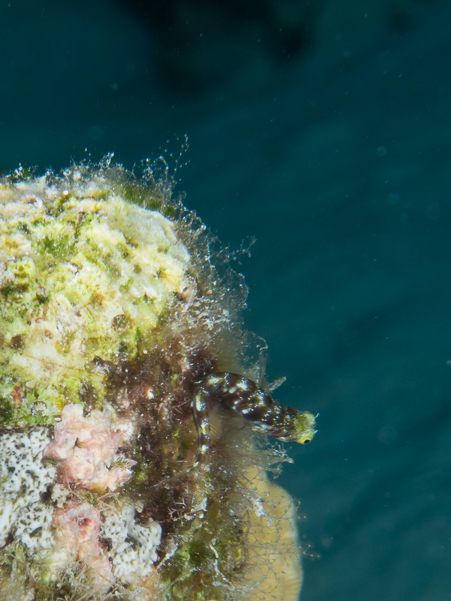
251,402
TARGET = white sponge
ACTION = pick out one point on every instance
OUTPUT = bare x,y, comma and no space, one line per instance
133,546
24,478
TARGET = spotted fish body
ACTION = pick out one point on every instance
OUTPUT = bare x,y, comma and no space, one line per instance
253,404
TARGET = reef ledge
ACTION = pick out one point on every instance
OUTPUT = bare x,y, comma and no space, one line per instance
111,312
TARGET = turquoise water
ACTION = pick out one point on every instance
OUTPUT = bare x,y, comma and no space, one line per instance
337,160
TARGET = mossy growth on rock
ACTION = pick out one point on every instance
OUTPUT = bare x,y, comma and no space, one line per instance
111,311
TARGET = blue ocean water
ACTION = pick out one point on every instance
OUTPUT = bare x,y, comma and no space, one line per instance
337,159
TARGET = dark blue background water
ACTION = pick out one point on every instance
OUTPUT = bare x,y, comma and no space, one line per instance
337,158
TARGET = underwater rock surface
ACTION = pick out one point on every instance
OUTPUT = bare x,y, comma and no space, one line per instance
110,312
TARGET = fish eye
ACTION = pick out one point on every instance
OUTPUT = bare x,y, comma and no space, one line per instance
306,441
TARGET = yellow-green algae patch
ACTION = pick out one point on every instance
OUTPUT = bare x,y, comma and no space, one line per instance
110,312
82,275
